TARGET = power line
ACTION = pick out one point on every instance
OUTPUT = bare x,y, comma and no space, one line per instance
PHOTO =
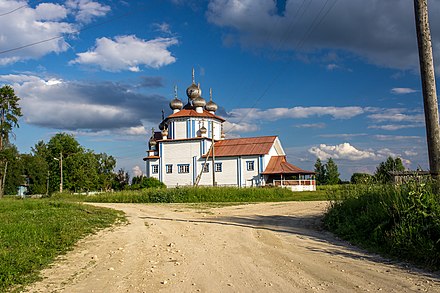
133,11
18,8
309,31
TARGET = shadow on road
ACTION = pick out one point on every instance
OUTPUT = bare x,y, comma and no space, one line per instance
303,227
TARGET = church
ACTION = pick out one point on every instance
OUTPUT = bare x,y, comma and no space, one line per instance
191,149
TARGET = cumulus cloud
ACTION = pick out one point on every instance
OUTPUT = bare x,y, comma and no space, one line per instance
30,25
341,151
310,125
382,32
137,171
85,10
295,113
231,127
93,107
346,151
128,53
392,127
402,91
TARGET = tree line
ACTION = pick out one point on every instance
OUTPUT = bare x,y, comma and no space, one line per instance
59,164
328,174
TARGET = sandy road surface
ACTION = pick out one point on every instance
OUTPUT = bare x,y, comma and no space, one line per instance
269,247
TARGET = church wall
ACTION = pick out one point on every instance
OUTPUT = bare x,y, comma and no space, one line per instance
179,153
250,177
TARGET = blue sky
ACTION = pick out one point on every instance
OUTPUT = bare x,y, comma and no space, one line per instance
332,78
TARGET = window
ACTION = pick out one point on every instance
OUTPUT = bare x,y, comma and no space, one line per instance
250,165
218,167
154,169
183,168
169,168
205,167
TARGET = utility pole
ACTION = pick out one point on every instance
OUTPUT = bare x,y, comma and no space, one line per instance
428,86
213,154
61,170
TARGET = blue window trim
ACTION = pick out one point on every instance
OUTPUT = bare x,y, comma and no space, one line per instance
248,163
180,165
166,168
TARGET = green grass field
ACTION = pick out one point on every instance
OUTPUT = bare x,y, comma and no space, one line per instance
401,222
204,194
34,232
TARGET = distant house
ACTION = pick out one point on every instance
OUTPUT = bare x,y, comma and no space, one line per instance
402,177
192,145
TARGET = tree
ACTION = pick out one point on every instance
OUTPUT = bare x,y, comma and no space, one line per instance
332,173
121,179
35,168
383,171
10,111
361,178
106,165
82,172
320,172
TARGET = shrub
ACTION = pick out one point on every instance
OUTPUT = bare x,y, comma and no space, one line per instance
399,221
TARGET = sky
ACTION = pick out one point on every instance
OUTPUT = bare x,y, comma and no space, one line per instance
333,79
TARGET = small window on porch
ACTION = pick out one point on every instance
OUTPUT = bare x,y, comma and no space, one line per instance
218,167
205,167
250,165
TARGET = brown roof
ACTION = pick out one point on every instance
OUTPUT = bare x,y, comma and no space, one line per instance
193,113
151,158
279,165
244,146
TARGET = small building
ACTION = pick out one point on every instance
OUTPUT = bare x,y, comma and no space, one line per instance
191,149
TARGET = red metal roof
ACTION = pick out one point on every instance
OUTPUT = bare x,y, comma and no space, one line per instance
193,113
279,165
244,146
151,158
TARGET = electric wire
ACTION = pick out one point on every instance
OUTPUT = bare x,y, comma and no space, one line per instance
133,11
269,85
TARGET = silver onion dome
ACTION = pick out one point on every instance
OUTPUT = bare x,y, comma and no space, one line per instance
211,106
199,102
176,104
203,130
193,91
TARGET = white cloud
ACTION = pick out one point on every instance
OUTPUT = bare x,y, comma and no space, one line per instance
341,151
392,127
128,53
163,27
310,125
382,32
50,11
345,151
294,113
85,10
137,171
230,127
87,107
29,25
402,91
396,137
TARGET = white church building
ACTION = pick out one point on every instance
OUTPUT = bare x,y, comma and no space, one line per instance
191,149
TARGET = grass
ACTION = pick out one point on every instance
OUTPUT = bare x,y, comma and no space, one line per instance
205,194
402,222
34,232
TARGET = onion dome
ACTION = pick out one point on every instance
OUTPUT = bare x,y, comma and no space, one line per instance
211,106
193,91
203,130
152,142
199,102
165,132
162,125
175,103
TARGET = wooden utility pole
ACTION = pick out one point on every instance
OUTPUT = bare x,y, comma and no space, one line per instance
213,154
428,86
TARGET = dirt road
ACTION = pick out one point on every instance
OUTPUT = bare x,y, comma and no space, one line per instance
269,247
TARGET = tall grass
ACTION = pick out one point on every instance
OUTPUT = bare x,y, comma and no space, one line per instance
205,194
34,232
399,221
